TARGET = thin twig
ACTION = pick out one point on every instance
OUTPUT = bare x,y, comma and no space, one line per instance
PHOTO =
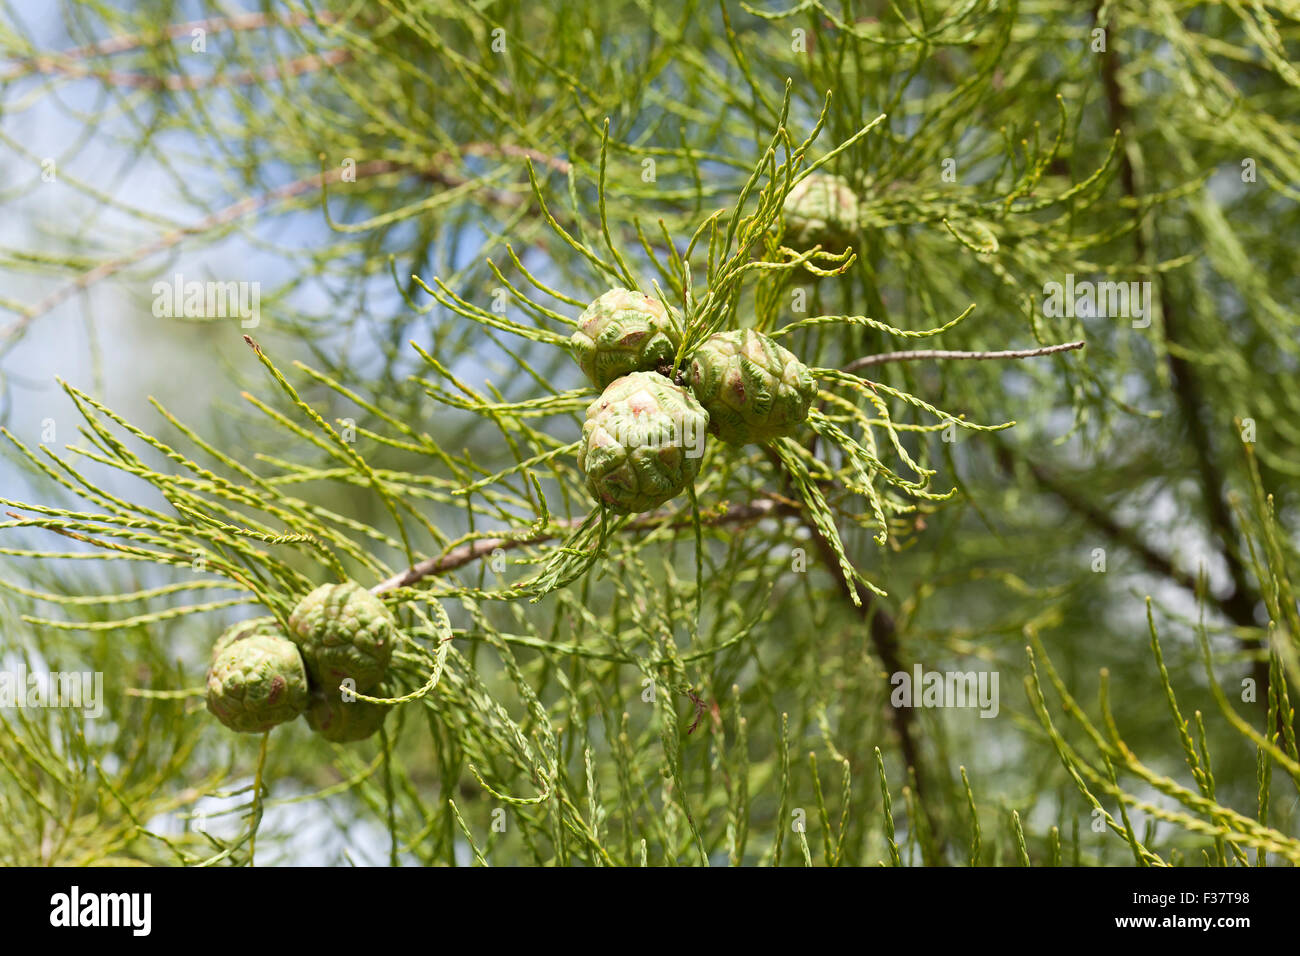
173,31
182,81
467,553
916,354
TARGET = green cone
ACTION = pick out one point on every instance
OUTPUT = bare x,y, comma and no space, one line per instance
243,629
753,389
821,209
624,331
642,442
344,721
344,632
257,679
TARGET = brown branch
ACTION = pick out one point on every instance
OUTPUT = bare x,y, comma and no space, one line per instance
173,31
181,81
553,163
884,641
883,633
474,550
935,354
1098,518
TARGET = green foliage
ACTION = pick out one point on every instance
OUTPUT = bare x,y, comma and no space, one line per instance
448,187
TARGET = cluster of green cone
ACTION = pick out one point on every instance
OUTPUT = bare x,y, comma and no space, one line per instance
339,636
667,380
643,440
642,445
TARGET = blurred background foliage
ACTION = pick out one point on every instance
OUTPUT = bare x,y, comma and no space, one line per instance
1121,557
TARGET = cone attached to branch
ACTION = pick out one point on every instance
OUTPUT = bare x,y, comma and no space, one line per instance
344,632
753,389
622,332
257,679
642,442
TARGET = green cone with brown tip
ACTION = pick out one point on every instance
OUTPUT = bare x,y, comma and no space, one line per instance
642,442
753,389
624,331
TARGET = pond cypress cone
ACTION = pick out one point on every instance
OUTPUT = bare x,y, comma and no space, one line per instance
257,679
753,389
820,210
344,721
344,631
243,629
624,331
642,442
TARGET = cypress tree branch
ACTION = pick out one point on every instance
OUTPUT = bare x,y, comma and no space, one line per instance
590,158
433,171
1100,519
884,642
168,240
474,550
176,82
176,31
936,354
